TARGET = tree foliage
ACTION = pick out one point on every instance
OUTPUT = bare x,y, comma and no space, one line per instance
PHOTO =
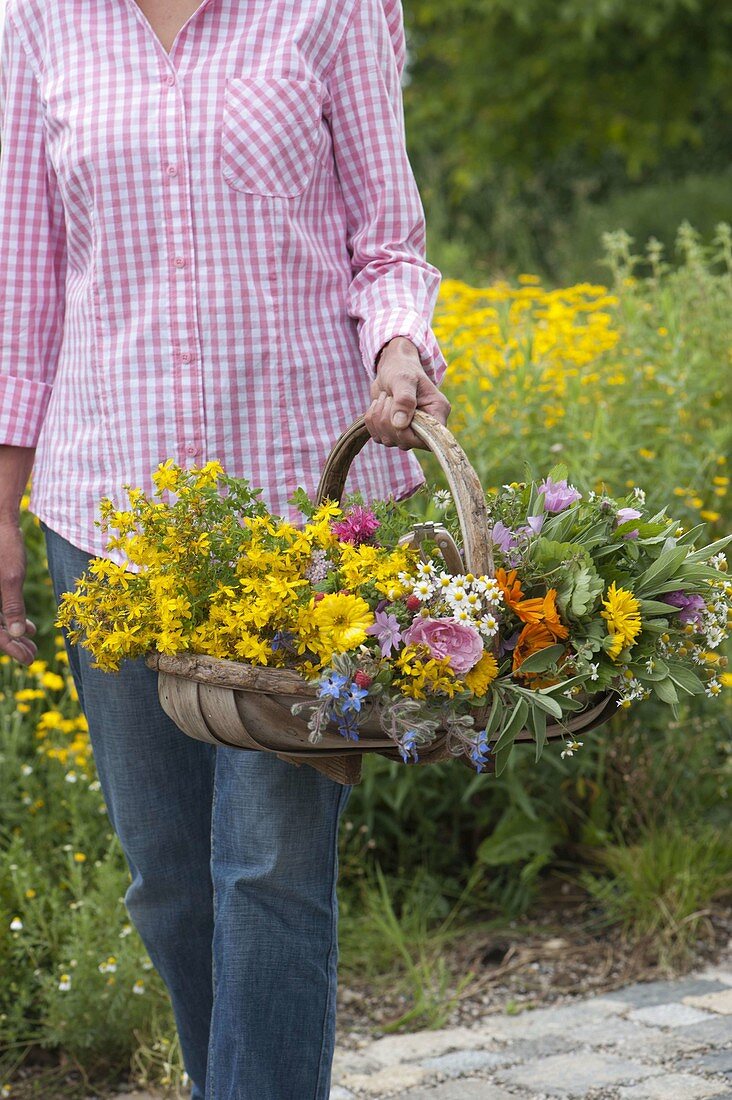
519,109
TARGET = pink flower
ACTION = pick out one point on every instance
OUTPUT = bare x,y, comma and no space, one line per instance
357,526
447,638
558,495
623,515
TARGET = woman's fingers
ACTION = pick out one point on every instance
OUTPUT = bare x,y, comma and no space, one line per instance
380,423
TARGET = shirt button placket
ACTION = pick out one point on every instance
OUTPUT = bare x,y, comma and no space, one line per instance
189,425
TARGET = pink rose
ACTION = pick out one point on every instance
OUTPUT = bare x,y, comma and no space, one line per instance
446,638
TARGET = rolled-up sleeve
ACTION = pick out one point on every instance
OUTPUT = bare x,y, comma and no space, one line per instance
394,289
32,249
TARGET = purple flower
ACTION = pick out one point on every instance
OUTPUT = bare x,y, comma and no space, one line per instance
502,536
507,645
386,630
623,515
691,606
357,526
532,526
558,495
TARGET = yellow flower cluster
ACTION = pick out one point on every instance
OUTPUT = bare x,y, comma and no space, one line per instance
229,584
420,674
526,349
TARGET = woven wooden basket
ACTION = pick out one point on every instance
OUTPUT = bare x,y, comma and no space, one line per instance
248,707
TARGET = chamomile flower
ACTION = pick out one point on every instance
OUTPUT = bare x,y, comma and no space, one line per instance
456,595
423,590
488,625
442,499
713,688
16,925
426,569
64,983
570,747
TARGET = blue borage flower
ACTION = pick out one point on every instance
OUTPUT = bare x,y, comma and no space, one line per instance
344,700
407,746
331,685
480,750
283,639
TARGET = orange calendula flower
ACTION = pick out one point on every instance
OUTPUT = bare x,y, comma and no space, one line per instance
543,609
510,587
534,637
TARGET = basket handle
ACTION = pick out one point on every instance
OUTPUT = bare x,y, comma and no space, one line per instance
462,479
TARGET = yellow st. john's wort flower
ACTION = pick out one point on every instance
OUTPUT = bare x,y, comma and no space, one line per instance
622,614
342,620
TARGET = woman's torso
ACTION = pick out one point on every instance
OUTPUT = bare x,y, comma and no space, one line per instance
207,265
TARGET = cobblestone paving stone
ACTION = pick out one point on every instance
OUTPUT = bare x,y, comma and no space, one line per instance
661,1040
650,1041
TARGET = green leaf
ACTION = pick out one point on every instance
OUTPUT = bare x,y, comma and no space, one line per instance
541,661
651,608
514,724
501,757
538,723
665,691
664,567
686,679
707,552
515,839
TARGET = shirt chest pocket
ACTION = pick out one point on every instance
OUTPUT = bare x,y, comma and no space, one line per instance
270,134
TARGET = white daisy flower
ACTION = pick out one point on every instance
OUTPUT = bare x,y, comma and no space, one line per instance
442,499
713,689
423,590
488,624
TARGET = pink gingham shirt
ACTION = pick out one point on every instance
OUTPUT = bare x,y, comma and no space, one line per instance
202,253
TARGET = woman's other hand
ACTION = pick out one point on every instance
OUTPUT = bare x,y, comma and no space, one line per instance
401,386
16,631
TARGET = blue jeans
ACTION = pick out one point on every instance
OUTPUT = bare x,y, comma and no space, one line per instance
233,857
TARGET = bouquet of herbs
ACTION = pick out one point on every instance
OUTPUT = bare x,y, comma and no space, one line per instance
590,595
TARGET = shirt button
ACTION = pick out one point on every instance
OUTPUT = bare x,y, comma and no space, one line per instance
172,170
186,356
191,449
170,79
180,261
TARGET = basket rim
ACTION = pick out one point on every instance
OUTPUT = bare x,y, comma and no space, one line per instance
241,676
